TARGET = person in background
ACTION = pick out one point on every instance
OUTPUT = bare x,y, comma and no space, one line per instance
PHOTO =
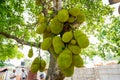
41,76
13,75
24,75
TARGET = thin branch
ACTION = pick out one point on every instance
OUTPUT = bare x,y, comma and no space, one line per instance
20,41
44,9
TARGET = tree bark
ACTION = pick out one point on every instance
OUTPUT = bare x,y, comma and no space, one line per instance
53,72
113,1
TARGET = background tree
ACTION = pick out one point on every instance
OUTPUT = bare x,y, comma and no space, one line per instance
16,30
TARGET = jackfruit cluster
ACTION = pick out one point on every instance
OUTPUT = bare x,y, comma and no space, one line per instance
63,38
38,64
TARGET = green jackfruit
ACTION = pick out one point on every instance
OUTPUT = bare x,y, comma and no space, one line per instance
71,19
75,49
69,71
81,39
47,34
58,45
78,61
63,15
42,65
41,28
41,18
67,36
80,18
48,28
74,11
54,54
36,60
64,60
45,45
37,2
30,53
73,42
55,26
34,68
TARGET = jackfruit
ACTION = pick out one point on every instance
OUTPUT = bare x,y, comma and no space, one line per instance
41,28
74,49
58,45
47,34
67,36
78,61
30,53
73,42
48,28
42,65
74,11
71,19
64,60
37,2
81,39
36,60
54,54
45,45
63,15
41,18
69,71
77,33
80,18
55,26
34,68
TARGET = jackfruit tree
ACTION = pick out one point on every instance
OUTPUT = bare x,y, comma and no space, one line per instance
64,26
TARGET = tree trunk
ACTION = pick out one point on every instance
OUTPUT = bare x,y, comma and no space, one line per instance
113,1
53,72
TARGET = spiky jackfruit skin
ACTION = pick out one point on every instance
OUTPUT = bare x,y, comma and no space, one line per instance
37,2
54,54
81,39
55,26
30,53
45,45
34,68
47,34
74,49
78,61
80,18
41,28
73,42
58,45
63,15
41,18
69,71
64,60
42,65
74,11
36,60
35,65
67,36
71,19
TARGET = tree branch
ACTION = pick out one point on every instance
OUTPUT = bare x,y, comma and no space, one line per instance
21,41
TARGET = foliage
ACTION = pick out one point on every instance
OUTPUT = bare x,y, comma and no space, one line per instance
13,21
